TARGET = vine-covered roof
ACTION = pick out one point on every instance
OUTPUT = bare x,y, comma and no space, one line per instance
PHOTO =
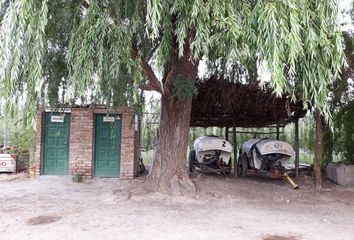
220,103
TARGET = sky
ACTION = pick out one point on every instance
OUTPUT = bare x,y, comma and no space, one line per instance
345,19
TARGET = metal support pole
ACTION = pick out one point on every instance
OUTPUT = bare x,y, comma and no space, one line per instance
6,138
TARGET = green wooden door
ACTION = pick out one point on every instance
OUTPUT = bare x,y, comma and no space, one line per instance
56,144
107,145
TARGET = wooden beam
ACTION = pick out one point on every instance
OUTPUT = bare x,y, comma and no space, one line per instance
153,123
227,133
258,132
234,140
277,131
318,151
297,148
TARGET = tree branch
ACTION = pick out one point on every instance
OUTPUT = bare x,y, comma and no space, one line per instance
153,81
154,84
147,87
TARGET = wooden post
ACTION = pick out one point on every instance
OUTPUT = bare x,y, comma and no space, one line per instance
318,150
234,140
297,148
227,133
277,132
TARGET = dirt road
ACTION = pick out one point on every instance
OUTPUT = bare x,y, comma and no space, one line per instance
225,208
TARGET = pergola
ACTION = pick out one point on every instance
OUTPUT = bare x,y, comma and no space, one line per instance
224,104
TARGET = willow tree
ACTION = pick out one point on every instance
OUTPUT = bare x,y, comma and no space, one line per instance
111,49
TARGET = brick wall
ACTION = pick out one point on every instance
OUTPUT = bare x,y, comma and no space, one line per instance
127,169
81,142
39,134
81,148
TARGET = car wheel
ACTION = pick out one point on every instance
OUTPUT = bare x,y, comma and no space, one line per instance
242,166
191,161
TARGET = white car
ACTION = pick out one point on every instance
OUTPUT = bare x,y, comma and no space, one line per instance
7,163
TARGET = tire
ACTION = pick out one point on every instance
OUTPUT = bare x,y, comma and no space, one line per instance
242,166
191,160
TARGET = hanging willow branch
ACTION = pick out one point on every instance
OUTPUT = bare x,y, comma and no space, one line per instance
22,43
298,40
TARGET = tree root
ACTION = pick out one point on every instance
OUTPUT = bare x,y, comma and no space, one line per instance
177,184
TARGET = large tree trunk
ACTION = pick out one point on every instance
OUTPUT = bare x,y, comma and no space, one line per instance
169,170
318,151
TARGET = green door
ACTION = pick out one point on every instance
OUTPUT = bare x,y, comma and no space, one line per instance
107,145
56,143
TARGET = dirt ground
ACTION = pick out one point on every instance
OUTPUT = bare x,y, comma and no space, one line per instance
225,208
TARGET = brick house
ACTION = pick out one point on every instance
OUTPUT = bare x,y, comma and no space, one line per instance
92,141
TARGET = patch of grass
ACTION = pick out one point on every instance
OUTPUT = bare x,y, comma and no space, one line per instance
77,178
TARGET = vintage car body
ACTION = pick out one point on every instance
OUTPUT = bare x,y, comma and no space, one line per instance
211,152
